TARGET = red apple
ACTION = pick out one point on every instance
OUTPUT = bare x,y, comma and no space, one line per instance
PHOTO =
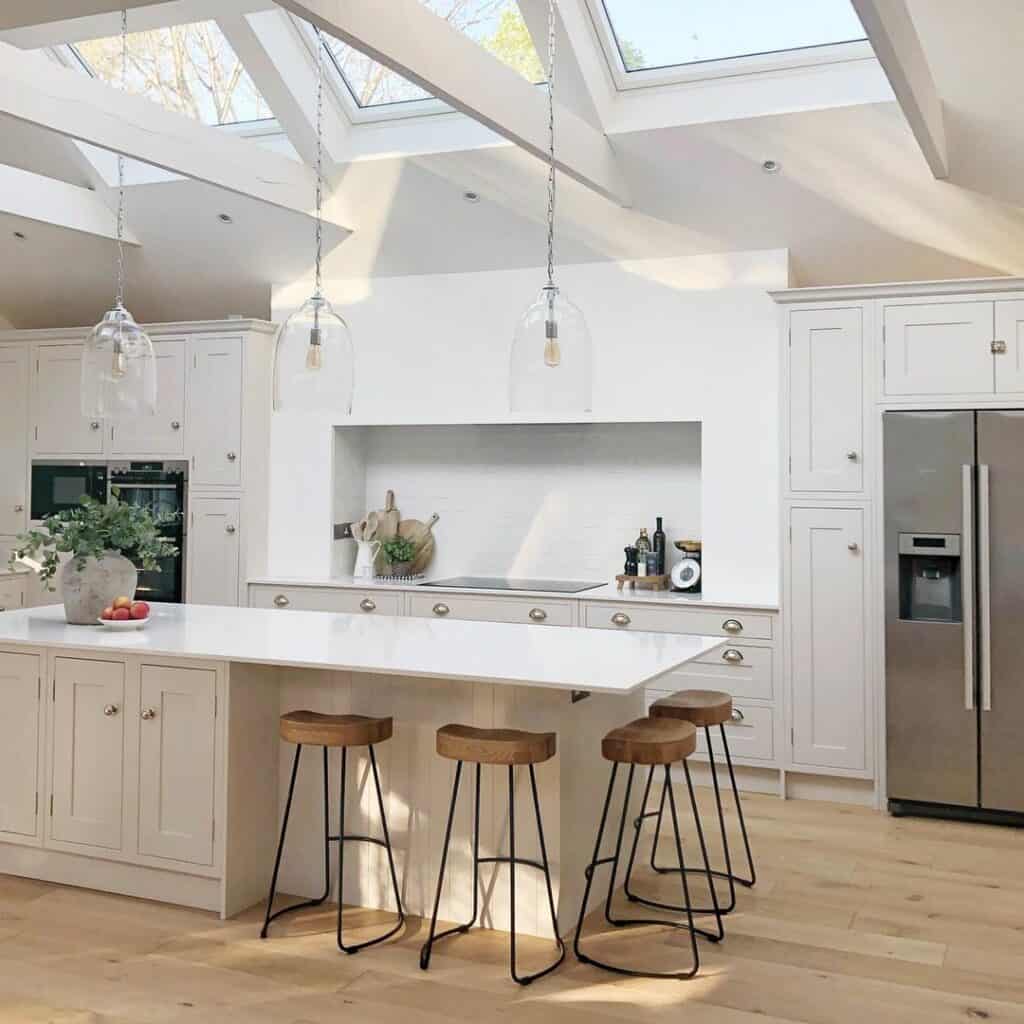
120,614
108,613
140,610
122,602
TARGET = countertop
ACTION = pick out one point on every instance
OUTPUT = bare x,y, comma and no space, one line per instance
753,598
570,658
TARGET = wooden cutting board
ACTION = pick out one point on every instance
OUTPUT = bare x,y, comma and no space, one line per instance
421,535
388,518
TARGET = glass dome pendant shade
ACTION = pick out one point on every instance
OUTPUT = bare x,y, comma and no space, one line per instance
314,359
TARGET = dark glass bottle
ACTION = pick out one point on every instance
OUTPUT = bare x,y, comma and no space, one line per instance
658,545
630,567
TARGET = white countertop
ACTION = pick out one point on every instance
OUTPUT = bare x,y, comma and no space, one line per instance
563,657
754,598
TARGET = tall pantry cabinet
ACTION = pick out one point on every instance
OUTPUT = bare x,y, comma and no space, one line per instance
213,413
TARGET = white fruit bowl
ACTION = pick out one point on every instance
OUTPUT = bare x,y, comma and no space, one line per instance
124,623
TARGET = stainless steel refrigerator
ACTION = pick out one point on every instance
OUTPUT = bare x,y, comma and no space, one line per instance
954,613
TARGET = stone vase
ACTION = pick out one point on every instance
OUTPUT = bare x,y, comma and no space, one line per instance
90,584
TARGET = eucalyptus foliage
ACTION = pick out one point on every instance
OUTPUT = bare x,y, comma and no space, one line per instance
92,528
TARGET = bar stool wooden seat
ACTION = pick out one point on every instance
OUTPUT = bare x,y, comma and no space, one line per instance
499,748
704,709
344,731
658,743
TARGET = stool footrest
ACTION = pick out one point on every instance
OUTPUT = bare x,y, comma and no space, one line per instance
509,860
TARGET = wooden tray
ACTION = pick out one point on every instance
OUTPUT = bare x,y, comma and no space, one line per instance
660,582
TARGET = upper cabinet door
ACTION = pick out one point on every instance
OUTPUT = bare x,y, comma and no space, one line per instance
176,763
826,400
215,412
213,551
163,433
13,438
942,348
1009,355
60,427
88,752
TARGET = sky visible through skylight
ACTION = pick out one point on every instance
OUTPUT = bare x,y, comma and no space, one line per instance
497,25
190,69
668,33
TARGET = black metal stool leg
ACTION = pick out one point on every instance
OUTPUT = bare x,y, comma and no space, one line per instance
588,872
716,909
344,837
637,825
752,880
280,849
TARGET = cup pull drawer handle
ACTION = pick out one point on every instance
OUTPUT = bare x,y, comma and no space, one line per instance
732,626
732,656
441,609
538,614
281,601
621,619
368,604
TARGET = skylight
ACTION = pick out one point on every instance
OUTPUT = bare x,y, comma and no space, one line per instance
654,34
497,25
190,69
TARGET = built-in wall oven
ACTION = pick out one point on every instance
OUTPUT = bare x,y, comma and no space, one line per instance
159,487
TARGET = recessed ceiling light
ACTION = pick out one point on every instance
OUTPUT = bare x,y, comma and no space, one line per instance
771,166
471,197
20,235
225,218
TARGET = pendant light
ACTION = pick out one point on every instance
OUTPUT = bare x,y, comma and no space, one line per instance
551,348
314,361
118,362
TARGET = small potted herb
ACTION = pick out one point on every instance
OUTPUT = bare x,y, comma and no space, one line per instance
98,537
399,552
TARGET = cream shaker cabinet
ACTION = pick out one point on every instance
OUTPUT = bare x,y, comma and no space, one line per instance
213,551
215,411
164,432
88,752
59,427
827,640
20,733
826,400
177,743
13,438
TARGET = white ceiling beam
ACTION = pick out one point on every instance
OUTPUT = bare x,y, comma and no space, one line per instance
35,90
896,43
49,201
108,22
408,38
21,13
280,63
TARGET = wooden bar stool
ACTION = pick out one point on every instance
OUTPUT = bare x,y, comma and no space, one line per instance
657,742
511,747
703,709
309,727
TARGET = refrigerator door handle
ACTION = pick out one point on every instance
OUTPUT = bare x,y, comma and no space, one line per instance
984,590
967,582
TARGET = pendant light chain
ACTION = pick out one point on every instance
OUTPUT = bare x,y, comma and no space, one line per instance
551,143
119,300
318,293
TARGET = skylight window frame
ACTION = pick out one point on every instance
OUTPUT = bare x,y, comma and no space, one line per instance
723,67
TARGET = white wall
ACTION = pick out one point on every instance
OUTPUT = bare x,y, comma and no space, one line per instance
691,338
528,500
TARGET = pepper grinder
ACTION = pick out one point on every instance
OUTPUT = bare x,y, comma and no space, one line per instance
630,567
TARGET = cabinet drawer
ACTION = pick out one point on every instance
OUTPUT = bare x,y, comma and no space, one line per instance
741,670
542,611
703,621
326,599
751,733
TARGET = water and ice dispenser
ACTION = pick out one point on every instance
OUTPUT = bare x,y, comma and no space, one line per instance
930,577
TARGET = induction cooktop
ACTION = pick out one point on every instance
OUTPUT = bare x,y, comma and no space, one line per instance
504,583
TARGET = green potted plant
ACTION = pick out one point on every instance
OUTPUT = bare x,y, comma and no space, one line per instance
100,539
399,552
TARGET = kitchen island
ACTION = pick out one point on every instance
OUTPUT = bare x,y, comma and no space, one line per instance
149,762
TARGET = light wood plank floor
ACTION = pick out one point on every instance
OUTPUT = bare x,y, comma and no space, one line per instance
857,918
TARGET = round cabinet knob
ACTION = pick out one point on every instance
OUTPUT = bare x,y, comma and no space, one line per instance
538,614
853,546
230,528
441,609
732,626
368,604
175,425
732,656
851,455
232,456
281,601
19,508
737,715
149,714
621,619
111,709
95,425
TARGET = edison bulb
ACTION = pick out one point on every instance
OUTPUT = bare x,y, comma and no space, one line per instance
314,361
552,350
314,356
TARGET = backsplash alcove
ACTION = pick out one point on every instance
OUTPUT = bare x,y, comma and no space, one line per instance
525,500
